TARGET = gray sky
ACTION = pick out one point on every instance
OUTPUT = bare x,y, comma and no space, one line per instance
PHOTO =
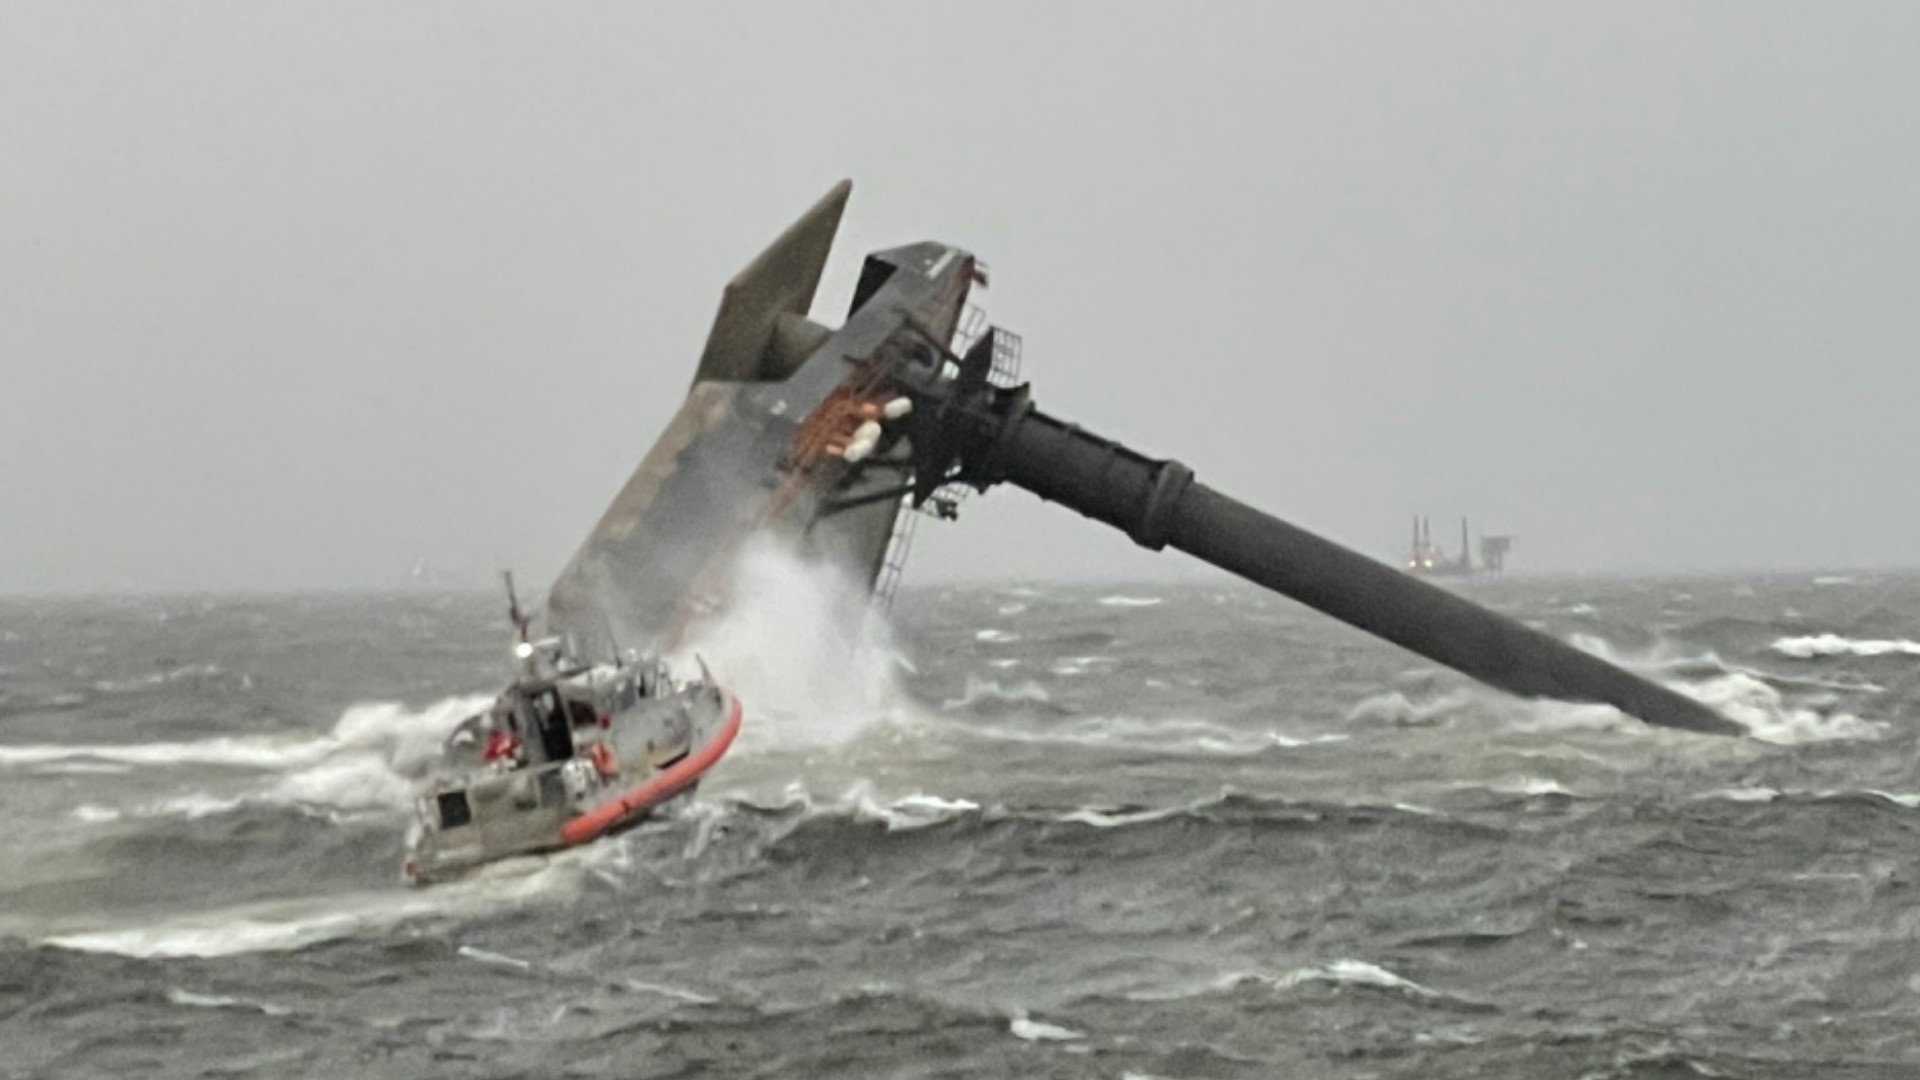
292,295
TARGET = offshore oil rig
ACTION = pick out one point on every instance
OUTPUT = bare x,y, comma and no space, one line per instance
1428,559
835,439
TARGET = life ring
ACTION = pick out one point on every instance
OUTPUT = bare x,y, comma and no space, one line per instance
603,760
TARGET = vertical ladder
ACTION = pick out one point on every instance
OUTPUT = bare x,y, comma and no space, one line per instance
895,561
1004,372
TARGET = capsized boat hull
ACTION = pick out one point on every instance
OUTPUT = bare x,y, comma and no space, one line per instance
625,764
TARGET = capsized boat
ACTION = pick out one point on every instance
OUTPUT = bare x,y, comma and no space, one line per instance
569,753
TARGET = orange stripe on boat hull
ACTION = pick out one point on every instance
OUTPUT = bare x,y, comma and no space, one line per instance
671,781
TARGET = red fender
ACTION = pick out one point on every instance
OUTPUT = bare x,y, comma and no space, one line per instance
669,782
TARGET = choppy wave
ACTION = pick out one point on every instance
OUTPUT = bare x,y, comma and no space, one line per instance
242,751
178,996
1399,710
1527,785
1745,696
180,673
1176,736
1082,665
1755,794
1768,714
915,811
1342,972
1813,646
402,737
862,807
279,926
991,695
1025,1027
192,805
368,762
1189,830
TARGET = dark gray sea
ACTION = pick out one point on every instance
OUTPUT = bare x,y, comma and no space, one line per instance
1100,831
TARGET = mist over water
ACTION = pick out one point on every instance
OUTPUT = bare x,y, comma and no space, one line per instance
801,643
1139,830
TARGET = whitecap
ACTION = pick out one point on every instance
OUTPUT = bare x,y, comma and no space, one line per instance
1764,712
1397,709
1741,794
404,739
497,959
1100,819
915,811
82,768
1130,601
1528,785
158,678
259,752
1342,971
979,691
278,926
1739,695
192,806
1160,736
354,783
219,1001
1823,645
1036,1031
1910,800
667,991
1358,972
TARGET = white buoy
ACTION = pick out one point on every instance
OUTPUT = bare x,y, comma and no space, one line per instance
857,451
898,408
867,432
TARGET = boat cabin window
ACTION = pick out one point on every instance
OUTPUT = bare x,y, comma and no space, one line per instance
556,741
455,811
580,714
624,695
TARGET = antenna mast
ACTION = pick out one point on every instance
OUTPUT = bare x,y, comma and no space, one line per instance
520,620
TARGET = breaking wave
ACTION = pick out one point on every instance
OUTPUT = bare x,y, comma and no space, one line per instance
1761,708
1814,646
1342,972
801,644
1754,794
1171,736
990,696
1743,695
369,761
1766,713
241,751
279,926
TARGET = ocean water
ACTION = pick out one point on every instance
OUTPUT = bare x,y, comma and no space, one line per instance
1092,831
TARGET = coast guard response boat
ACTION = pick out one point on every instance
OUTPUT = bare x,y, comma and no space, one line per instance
570,752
